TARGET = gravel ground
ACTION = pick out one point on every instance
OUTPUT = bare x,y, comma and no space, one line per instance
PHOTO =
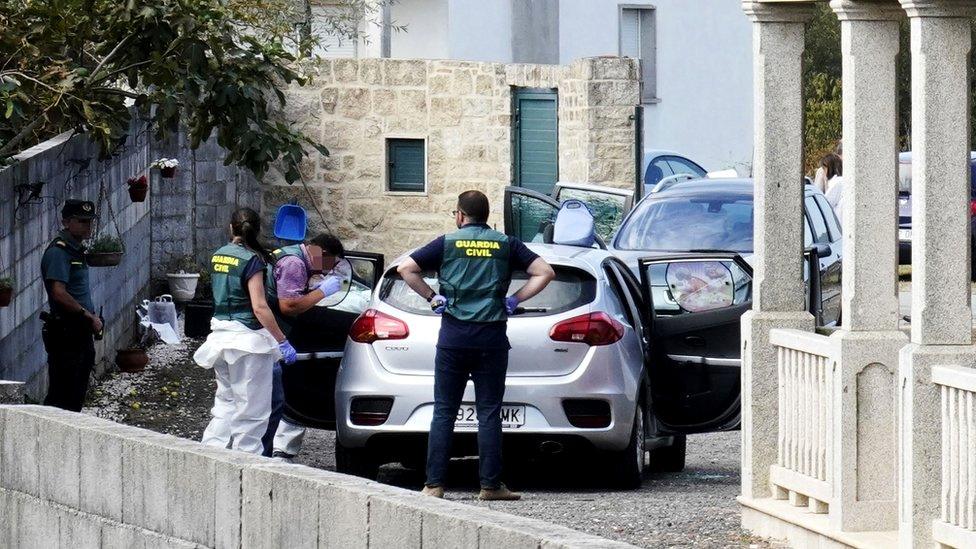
695,508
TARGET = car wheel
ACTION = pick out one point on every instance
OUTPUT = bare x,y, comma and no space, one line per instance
670,459
627,466
355,461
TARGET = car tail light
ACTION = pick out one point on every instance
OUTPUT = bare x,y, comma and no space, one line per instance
586,413
370,411
373,325
592,329
972,208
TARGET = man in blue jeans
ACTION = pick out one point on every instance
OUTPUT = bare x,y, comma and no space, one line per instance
474,266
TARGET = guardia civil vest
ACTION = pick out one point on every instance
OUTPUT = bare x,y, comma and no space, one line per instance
231,299
271,286
474,274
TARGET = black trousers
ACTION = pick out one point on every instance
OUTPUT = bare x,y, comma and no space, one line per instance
70,349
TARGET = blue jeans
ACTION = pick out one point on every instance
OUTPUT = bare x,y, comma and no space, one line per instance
453,368
277,410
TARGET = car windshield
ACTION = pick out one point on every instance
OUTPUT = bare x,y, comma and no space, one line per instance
570,289
684,223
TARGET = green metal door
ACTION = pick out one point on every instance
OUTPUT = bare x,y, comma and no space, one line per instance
535,139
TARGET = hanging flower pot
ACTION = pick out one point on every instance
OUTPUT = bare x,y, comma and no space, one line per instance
106,251
6,291
133,359
138,188
166,166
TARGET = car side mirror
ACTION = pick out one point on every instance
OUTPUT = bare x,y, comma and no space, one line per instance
822,250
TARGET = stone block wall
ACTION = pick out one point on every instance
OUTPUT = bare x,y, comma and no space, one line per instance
27,228
464,112
71,480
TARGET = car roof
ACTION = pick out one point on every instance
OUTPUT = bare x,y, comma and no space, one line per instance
741,186
906,157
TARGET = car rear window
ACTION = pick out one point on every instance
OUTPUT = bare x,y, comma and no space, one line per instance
570,289
685,223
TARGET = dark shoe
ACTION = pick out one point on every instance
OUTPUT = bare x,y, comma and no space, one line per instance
433,491
502,493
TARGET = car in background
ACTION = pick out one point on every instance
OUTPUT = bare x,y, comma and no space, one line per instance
905,210
661,164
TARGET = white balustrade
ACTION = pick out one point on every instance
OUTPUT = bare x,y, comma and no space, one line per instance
806,387
957,525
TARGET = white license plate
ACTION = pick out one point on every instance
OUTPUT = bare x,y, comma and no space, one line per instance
513,417
904,234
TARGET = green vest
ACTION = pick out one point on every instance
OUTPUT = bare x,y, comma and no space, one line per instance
475,275
231,298
271,285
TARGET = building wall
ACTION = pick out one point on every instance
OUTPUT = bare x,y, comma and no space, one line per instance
463,110
704,60
24,236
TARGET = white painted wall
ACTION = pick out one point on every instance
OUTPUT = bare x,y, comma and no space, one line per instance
426,35
480,30
704,82
704,61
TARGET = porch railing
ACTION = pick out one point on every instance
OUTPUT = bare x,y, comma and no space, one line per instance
806,374
957,525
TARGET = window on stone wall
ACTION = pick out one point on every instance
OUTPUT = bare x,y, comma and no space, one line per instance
638,39
335,24
406,165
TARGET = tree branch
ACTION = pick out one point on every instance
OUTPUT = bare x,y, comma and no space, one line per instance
28,129
94,73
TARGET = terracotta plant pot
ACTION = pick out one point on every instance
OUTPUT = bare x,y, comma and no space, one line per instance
138,188
6,294
131,360
103,259
167,173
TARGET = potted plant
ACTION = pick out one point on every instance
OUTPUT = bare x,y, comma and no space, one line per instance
183,275
6,290
138,187
132,359
106,251
167,166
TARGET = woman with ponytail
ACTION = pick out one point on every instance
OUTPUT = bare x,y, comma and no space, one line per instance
245,340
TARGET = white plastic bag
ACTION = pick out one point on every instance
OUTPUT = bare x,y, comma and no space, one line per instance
163,311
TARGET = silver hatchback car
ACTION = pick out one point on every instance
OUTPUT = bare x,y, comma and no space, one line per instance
575,380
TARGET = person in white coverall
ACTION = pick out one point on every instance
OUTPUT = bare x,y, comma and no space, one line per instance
245,340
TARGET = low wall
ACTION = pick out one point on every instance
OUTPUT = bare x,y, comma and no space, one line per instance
71,480
26,228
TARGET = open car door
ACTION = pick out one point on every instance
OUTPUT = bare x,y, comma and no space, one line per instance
609,205
319,336
694,303
528,214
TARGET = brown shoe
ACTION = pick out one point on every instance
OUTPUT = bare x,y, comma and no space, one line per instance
433,491
502,493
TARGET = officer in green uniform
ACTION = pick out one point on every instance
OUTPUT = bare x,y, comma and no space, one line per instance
69,328
475,267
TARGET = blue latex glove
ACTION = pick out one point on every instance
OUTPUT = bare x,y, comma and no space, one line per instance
288,353
329,285
438,303
511,303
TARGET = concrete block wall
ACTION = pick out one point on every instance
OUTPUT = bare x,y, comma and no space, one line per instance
71,480
26,229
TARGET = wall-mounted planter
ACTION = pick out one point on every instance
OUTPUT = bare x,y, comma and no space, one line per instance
103,259
138,188
130,360
6,295
167,173
182,285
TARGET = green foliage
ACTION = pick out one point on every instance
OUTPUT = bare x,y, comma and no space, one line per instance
6,282
211,64
823,118
184,263
105,244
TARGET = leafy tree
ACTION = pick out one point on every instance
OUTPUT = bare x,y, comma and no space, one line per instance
215,65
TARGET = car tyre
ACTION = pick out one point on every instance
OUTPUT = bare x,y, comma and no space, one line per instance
626,467
356,461
670,459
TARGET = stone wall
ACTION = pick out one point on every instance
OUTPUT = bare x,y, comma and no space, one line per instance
27,228
70,480
191,211
464,111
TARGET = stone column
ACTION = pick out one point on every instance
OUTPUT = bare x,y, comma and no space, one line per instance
865,441
941,315
778,289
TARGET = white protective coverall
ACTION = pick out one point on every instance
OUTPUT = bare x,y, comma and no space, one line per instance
242,360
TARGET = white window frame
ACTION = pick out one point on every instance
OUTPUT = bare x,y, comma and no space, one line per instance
648,48
385,171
